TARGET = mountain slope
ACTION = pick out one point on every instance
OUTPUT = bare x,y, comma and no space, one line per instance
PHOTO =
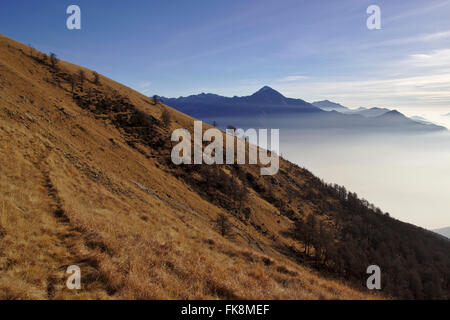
421,119
395,118
85,182
372,112
87,179
330,106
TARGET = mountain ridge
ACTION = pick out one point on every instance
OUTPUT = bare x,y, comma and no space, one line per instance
265,100
329,105
268,105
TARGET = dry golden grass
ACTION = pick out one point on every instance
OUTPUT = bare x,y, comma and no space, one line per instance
73,192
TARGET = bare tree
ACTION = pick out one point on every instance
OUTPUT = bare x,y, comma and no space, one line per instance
311,224
72,85
44,58
165,118
247,212
300,232
96,77
81,77
223,225
239,195
89,95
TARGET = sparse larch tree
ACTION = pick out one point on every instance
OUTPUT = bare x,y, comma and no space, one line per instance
305,232
72,85
81,77
165,118
223,225
89,95
311,223
44,58
239,195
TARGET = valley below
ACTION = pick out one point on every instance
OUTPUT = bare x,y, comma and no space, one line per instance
406,175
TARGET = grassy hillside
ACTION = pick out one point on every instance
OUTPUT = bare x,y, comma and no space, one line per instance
87,180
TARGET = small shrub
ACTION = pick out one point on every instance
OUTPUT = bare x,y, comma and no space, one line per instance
96,79
165,118
53,60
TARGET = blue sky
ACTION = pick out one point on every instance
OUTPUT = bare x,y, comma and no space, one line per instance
308,49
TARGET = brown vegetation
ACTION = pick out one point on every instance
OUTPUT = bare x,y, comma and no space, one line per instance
87,180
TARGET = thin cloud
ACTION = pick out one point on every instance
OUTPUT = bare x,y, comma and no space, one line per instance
419,11
420,38
292,78
437,58
144,87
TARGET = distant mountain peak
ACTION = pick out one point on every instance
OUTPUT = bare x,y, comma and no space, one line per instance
264,101
267,95
393,113
266,90
328,105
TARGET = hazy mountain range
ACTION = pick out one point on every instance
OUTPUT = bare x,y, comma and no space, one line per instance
328,105
266,100
269,108
421,119
332,106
